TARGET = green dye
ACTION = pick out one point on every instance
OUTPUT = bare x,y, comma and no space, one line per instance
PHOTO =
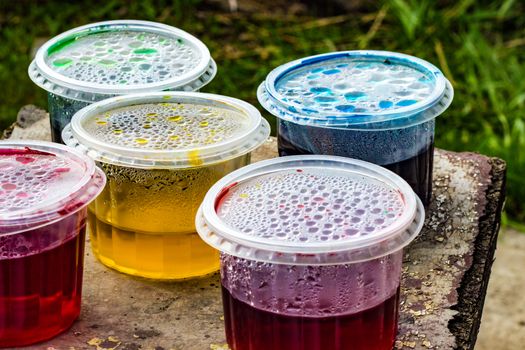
144,51
62,62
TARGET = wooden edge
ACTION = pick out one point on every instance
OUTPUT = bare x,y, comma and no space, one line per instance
473,288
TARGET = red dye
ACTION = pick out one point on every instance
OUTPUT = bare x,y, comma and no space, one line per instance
40,287
254,329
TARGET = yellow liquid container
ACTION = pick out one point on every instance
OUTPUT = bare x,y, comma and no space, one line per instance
143,223
135,229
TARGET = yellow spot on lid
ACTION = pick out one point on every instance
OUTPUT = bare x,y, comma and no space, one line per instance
244,195
151,115
203,124
141,141
147,126
175,118
101,122
194,158
166,97
117,131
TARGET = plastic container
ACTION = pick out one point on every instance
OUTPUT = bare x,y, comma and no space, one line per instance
311,252
105,59
376,106
44,192
161,153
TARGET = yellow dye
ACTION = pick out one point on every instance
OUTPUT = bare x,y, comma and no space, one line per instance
143,222
194,158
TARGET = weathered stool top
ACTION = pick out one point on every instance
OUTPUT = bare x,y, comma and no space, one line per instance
445,273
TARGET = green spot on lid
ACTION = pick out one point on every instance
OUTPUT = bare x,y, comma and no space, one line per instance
62,62
145,51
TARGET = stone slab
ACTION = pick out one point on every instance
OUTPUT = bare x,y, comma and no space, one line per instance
445,274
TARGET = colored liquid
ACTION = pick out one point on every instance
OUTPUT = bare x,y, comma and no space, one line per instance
250,328
417,171
408,152
143,223
41,281
168,255
311,307
61,110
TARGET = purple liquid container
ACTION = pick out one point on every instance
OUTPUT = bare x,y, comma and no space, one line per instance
311,252
376,106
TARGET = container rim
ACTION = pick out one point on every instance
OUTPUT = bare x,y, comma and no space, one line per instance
214,231
256,133
47,78
77,197
429,108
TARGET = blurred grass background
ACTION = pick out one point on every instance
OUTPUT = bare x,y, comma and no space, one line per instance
479,45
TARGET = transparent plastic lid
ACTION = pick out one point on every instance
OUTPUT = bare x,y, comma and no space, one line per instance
165,130
40,182
352,88
120,57
310,210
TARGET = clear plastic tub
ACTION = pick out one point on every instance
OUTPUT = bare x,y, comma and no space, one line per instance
376,106
100,60
311,252
44,192
161,153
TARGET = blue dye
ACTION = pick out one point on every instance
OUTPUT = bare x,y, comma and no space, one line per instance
385,104
342,65
320,90
404,103
345,108
323,99
355,95
310,111
317,70
331,71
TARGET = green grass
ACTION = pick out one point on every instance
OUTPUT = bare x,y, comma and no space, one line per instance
479,45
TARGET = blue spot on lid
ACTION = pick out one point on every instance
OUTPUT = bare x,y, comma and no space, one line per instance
342,65
345,108
320,90
313,76
310,111
404,103
323,99
355,95
292,109
385,104
317,70
331,71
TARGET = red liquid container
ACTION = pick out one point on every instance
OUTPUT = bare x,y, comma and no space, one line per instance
44,192
311,252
